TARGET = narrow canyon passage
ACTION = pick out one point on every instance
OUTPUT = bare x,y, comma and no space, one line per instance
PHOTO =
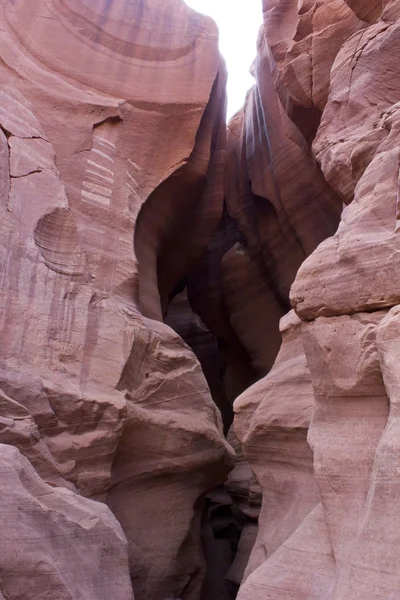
199,320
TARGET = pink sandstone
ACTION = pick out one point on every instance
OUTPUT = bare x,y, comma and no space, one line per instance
346,292
103,142
150,259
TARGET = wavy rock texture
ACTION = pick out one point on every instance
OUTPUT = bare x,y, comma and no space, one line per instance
56,544
351,352
272,423
148,257
350,413
280,217
111,175
304,40
332,537
274,219
357,147
346,293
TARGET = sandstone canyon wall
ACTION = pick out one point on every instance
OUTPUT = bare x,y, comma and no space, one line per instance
320,430
112,163
170,428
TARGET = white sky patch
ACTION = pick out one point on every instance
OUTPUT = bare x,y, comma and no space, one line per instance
238,22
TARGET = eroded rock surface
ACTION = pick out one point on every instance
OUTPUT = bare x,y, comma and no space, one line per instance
346,294
55,543
111,184
272,422
149,262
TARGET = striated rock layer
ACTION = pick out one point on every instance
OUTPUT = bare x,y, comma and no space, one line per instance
112,150
56,544
350,342
149,262
272,420
274,219
334,385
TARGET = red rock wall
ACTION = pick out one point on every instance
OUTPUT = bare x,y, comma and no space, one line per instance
150,259
112,162
335,375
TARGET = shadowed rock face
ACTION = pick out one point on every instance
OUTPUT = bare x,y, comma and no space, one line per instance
150,258
274,219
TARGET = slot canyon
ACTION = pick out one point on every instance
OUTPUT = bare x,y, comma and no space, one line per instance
198,380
